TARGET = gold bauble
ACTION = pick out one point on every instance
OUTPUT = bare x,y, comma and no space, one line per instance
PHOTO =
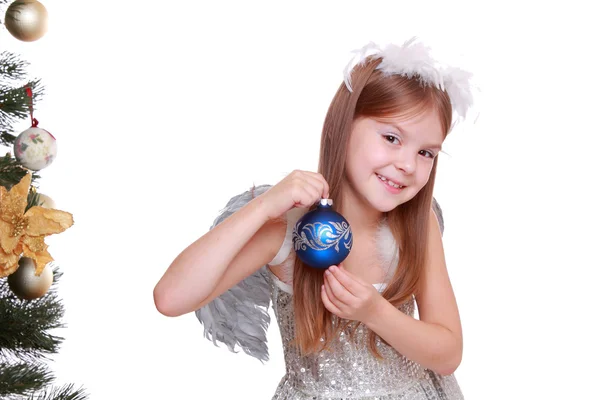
25,285
27,20
46,202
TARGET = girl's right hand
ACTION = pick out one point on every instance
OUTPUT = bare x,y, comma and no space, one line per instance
298,189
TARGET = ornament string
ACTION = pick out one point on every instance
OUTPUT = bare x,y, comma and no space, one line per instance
34,122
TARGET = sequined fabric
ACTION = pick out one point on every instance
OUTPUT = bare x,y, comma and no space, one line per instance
349,370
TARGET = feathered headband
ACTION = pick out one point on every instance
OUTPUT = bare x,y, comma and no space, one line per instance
412,59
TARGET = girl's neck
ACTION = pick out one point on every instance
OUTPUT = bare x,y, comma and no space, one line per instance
359,214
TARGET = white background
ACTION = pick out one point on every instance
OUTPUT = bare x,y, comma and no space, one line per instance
165,110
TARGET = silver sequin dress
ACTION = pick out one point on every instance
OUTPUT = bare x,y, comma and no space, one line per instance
348,370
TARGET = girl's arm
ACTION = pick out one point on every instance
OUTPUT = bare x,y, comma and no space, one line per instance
227,254
435,339
237,247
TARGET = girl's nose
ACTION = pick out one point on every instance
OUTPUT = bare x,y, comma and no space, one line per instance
406,163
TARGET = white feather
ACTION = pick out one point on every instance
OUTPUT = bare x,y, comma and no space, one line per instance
388,252
361,55
413,59
457,82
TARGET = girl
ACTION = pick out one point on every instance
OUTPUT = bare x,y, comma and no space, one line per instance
348,332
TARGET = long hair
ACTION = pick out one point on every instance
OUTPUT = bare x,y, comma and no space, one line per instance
377,96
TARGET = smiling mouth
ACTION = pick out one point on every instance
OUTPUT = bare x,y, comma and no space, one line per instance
390,182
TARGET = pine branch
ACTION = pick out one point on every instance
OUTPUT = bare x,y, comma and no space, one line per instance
7,139
66,392
33,199
12,68
23,378
14,103
25,324
11,173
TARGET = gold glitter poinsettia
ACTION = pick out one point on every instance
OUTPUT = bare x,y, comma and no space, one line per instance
24,232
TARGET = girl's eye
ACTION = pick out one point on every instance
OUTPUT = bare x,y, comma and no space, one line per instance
391,138
426,153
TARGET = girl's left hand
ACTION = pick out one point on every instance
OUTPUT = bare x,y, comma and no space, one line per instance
347,296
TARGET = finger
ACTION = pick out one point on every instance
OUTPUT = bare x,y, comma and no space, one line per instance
322,179
339,291
309,190
330,295
305,194
319,181
325,186
313,195
345,279
327,302
321,187
332,298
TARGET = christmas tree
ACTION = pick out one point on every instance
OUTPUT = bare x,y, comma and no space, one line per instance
30,309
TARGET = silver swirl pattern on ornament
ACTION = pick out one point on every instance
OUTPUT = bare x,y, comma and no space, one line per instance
322,236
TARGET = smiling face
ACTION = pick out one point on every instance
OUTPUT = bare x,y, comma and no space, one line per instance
390,160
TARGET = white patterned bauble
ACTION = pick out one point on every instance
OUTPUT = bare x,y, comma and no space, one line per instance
35,148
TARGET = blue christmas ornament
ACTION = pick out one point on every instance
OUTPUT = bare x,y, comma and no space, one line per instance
322,237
